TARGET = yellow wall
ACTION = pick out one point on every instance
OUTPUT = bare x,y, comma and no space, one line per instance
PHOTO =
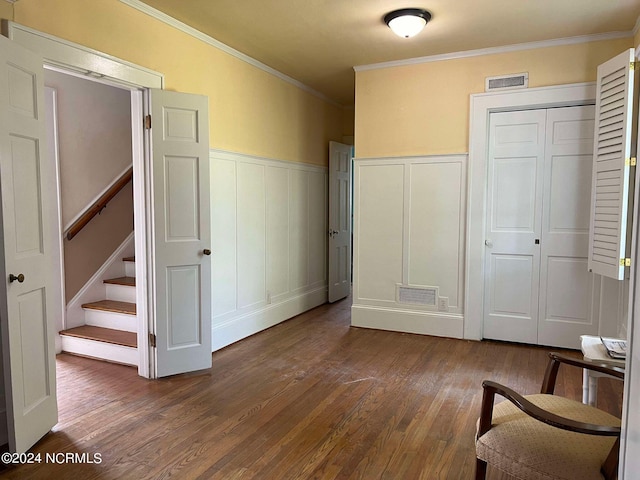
6,10
251,111
424,109
348,120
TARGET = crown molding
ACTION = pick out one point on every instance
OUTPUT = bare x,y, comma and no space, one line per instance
183,27
496,50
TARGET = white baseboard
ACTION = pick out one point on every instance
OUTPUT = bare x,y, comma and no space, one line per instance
94,290
407,321
231,331
100,350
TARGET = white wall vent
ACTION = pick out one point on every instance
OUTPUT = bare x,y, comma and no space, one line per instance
504,82
417,295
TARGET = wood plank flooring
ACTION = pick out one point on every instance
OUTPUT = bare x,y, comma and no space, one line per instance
310,398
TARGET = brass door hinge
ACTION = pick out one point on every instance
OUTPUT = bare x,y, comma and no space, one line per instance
630,162
625,262
152,340
147,122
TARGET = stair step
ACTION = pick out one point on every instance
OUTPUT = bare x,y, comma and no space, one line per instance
101,343
106,335
128,281
112,306
129,259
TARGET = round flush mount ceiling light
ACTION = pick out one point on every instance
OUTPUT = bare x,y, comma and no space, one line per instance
407,22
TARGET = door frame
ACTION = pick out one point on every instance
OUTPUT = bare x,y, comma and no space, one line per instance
85,62
482,105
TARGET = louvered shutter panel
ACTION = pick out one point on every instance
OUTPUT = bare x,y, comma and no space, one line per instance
611,164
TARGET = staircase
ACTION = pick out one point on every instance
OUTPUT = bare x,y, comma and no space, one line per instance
110,329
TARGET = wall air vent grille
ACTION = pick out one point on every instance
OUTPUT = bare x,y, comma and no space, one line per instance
417,295
503,82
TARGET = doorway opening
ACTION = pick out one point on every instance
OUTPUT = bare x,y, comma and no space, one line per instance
171,203
89,137
87,64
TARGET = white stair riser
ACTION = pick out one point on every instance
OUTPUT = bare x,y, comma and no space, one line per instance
113,320
130,269
121,293
100,350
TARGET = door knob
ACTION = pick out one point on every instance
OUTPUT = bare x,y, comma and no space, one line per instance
488,243
206,251
13,278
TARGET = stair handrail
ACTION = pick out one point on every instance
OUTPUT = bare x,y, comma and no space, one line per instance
99,204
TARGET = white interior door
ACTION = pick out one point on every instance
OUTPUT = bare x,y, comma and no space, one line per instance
538,288
181,262
339,221
566,285
514,204
26,260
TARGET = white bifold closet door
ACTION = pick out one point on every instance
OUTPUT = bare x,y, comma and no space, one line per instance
538,289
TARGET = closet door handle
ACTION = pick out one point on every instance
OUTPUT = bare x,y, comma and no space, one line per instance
206,251
13,278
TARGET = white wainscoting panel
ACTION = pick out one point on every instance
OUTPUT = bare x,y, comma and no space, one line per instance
269,229
277,179
224,270
409,231
436,228
378,231
251,234
318,182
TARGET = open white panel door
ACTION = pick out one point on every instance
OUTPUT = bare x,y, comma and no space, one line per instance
26,259
181,262
339,221
611,164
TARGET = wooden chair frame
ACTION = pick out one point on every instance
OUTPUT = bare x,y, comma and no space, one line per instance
490,389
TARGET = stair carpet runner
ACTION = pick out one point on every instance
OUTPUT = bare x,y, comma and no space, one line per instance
110,324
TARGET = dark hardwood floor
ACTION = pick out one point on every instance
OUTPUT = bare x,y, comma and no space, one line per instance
310,398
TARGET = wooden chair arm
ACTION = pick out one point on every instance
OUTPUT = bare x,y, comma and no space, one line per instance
555,359
490,389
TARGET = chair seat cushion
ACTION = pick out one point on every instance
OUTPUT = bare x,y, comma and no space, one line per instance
529,449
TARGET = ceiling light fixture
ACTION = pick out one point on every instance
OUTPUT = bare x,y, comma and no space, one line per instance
407,22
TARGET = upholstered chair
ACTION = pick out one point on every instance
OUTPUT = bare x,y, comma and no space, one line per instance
545,436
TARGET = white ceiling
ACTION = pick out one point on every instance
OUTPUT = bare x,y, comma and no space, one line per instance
318,42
